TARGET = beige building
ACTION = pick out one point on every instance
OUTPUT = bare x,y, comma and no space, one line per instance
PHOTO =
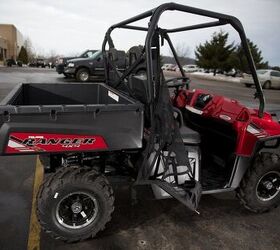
11,40
3,50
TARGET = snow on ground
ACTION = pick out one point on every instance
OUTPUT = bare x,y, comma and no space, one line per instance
206,76
217,77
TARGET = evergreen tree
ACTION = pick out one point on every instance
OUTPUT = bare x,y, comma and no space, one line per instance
240,61
23,55
215,54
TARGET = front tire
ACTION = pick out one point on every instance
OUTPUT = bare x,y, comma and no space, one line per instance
259,190
82,75
267,85
74,204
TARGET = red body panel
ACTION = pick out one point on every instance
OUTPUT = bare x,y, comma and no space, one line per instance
41,142
231,111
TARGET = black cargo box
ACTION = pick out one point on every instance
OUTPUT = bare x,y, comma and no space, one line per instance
73,108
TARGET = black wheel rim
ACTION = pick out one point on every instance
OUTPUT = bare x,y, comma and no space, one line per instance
268,186
77,210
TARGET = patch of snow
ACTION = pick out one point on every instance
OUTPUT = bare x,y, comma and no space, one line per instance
217,77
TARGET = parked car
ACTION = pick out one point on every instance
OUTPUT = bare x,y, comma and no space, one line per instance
190,68
202,70
62,61
11,62
267,77
234,73
51,64
31,64
38,62
19,63
168,66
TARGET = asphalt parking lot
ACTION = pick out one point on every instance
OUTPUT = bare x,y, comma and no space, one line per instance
150,224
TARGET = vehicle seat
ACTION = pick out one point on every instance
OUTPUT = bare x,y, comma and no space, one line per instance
134,53
189,136
138,86
118,58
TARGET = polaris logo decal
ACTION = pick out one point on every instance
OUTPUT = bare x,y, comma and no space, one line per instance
31,142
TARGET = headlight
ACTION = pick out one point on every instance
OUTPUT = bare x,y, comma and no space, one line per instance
71,65
253,130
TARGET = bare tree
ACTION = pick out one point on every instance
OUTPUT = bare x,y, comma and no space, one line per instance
52,56
29,48
183,51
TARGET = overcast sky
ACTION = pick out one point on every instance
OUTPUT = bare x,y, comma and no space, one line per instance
69,27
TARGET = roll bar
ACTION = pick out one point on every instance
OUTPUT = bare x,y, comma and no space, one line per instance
155,14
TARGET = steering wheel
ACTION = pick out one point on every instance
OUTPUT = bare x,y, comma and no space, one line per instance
178,82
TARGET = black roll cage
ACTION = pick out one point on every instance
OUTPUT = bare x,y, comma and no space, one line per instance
154,15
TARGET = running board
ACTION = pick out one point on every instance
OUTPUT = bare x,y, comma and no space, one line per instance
180,195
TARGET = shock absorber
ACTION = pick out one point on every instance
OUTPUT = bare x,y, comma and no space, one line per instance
72,160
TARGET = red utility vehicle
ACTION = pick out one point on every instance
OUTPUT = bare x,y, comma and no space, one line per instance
191,144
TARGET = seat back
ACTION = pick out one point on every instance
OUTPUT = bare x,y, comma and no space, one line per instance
134,53
119,60
138,87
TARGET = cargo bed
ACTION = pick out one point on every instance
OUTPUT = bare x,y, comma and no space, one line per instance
44,118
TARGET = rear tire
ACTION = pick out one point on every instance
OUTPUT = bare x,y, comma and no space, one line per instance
74,204
259,190
267,85
82,75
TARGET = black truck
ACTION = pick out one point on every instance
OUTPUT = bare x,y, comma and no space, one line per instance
84,68
93,67
63,61
38,62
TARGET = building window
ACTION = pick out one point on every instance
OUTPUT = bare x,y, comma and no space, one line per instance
1,54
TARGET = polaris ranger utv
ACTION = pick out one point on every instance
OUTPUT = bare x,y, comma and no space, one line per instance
190,144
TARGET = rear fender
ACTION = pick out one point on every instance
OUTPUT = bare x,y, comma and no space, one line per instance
269,145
